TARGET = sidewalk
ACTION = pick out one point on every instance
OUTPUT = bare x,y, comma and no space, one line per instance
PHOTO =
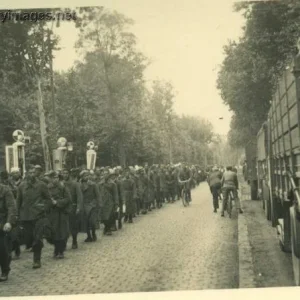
261,262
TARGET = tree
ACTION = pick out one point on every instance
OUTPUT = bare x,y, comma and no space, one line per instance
251,67
26,57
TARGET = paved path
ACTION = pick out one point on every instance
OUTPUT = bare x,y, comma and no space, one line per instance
174,248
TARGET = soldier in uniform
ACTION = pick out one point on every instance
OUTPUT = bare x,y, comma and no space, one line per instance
109,195
59,213
163,184
33,203
16,232
7,219
143,191
129,195
76,204
92,203
118,182
170,182
39,172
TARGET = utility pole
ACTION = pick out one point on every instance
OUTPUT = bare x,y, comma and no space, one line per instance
51,79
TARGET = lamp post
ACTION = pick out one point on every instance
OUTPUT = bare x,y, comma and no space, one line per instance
60,154
91,155
15,154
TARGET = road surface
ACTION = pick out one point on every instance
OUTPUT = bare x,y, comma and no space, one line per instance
171,249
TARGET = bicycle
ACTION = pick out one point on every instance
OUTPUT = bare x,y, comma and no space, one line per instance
184,193
228,204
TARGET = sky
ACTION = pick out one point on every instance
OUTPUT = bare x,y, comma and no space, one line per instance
183,39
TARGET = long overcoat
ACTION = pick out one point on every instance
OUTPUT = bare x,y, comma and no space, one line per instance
143,189
59,213
109,195
91,201
129,195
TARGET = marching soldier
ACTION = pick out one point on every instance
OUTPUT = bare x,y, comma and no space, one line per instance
39,172
59,213
143,191
16,232
91,205
129,195
7,219
120,204
76,204
109,195
163,184
170,183
33,203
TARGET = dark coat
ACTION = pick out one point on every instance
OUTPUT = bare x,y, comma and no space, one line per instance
33,200
185,175
170,181
7,206
143,188
129,195
214,178
109,195
118,182
76,195
91,197
59,213
163,182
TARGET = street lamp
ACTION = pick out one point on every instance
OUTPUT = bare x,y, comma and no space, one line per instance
15,154
60,154
91,155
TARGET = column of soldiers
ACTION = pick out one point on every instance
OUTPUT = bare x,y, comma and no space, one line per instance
57,206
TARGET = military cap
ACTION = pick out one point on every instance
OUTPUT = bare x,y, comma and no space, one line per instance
51,174
83,173
38,167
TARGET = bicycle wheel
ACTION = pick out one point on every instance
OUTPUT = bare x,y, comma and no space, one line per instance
187,198
183,197
229,205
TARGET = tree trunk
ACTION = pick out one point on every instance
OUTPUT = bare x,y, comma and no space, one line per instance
170,152
121,153
43,127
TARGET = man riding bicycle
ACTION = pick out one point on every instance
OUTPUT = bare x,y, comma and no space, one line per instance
230,184
214,182
184,175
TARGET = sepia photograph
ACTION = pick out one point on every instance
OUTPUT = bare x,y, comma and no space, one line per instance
149,146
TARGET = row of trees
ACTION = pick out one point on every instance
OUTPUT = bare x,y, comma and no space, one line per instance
103,98
252,65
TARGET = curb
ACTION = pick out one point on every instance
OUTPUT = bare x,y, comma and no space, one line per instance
246,272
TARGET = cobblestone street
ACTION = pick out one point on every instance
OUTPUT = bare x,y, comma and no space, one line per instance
174,248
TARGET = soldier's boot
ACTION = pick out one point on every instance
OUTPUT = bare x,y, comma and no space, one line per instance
107,230
114,226
130,219
5,269
126,218
74,241
61,249
3,277
94,236
17,250
120,224
89,237
37,259
56,250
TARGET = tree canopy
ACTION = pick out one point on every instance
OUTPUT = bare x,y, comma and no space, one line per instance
103,98
252,65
